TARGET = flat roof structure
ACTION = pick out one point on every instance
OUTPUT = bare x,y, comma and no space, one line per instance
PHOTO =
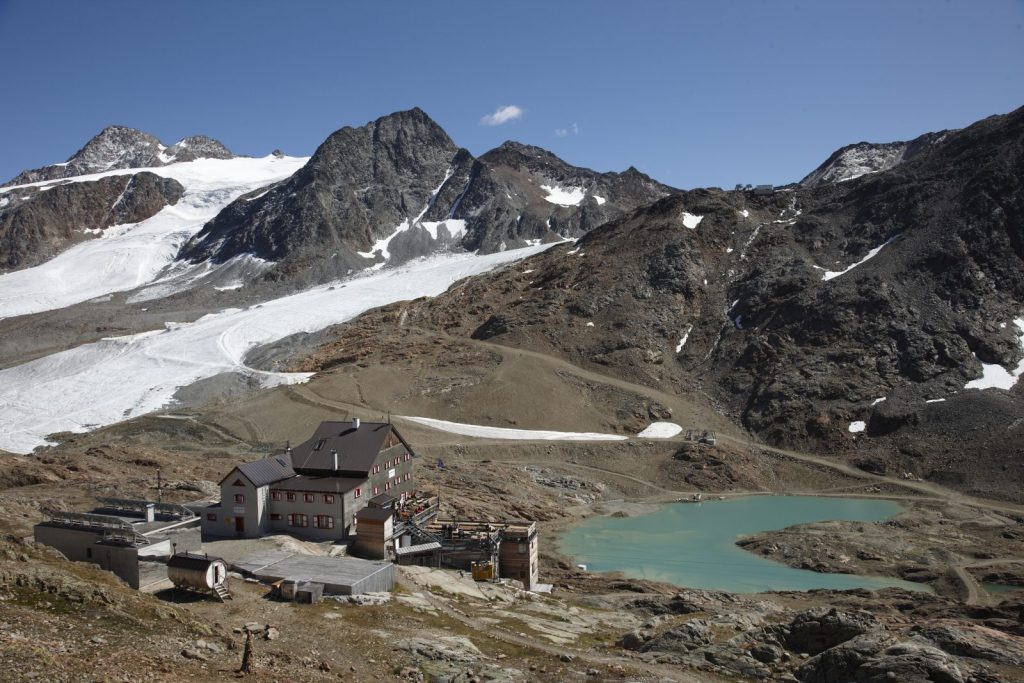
339,575
375,514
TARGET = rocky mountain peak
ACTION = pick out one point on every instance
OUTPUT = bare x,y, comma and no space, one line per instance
404,138
199,147
519,155
399,187
361,185
119,147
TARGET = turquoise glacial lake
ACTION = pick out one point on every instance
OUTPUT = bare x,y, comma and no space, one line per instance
693,545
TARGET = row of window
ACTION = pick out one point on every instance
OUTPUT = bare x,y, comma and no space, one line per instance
290,496
329,498
391,463
388,484
299,520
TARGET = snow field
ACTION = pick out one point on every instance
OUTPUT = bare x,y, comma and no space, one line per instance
660,430
114,379
484,432
567,196
829,275
691,221
682,340
128,256
995,376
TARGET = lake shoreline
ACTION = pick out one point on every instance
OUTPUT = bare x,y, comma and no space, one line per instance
624,510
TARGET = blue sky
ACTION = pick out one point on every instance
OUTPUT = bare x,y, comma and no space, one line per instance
693,93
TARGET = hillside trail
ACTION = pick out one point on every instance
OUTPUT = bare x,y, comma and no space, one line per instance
677,402
680,405
975,593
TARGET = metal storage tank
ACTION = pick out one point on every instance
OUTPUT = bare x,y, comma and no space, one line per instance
199,572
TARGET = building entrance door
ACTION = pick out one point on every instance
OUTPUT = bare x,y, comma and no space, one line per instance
239,525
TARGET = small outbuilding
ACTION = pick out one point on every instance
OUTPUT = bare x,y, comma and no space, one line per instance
309,592
200,572
197,572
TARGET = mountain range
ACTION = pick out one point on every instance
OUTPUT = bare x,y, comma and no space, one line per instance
875,308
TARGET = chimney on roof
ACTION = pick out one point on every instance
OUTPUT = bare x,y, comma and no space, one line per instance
355,423
150,512
288,446
334,455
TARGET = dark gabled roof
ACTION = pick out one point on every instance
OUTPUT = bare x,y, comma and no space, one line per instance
191,561
357,448
319,484
384,500
374,514
266,471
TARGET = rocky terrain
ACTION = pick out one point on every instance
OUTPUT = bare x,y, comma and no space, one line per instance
35,225
399,188
118,147
722,294
778,320
438,627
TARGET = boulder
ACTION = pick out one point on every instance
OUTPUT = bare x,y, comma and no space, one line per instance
819,629
682,639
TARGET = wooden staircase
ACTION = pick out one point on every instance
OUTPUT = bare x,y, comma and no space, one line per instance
221,591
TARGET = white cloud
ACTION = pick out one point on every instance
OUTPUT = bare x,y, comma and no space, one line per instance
502,115
571,130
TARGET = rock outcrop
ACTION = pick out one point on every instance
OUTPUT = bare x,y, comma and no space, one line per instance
35,225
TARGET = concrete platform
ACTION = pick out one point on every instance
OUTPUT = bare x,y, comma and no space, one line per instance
254,562
339,575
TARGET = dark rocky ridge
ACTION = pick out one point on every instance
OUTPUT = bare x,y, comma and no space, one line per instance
119,147
789,355
358,185
35,225
404,170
